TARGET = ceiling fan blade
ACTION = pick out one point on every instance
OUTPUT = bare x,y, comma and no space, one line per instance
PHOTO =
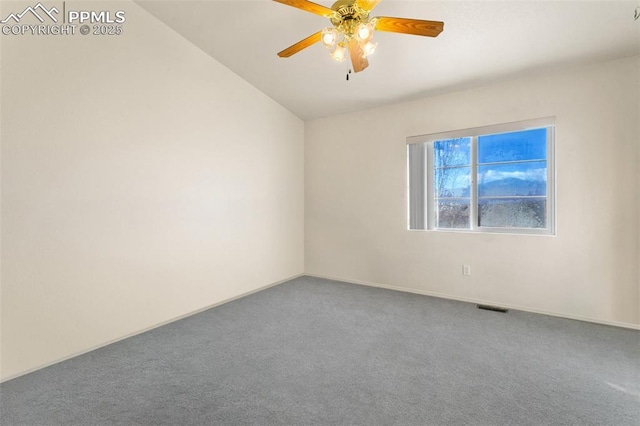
308,6
409,26
367,5
302,44
358,60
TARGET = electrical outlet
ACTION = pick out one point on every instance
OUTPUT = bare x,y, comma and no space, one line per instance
466,269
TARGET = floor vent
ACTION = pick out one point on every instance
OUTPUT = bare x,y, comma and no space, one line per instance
493,308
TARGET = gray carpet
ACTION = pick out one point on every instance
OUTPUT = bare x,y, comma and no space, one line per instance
313,351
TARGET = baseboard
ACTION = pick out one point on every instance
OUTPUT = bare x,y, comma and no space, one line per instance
480,301
240,296
346,280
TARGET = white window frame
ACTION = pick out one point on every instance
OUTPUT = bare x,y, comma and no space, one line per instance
474,133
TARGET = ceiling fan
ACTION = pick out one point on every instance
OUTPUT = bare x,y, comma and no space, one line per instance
352,29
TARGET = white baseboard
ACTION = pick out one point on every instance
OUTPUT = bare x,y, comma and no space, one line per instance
346,280
481,301
135,333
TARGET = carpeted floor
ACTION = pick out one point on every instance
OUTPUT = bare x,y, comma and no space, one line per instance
313,351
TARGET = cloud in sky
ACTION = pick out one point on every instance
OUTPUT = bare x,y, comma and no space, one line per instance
457,179
538,174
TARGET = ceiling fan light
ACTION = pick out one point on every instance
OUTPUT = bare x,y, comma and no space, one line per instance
370,48
364,31
329,37
339,54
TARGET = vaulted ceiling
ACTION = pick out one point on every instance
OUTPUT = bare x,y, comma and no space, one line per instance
483,41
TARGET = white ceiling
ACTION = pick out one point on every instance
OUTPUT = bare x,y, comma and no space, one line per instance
482,41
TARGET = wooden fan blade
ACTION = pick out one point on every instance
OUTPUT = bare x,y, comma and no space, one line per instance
409,26
358,60
308,6
367,5
302,44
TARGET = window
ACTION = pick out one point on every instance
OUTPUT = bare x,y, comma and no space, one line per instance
488,179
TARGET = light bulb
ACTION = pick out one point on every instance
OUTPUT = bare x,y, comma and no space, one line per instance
340,53
370,48
329,37
365,31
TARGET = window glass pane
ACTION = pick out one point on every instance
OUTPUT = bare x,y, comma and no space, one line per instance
452,182
513,146
452,213
512,212
497,180
528,179
452,152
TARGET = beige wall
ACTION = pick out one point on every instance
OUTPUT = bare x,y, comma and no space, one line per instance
356,215
141,181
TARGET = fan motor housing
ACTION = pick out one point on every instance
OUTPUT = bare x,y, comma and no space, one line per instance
348,15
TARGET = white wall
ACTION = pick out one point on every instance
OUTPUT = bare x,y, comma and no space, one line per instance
141,181
356,197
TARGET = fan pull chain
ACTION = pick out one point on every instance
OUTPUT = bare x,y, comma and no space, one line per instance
349,72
